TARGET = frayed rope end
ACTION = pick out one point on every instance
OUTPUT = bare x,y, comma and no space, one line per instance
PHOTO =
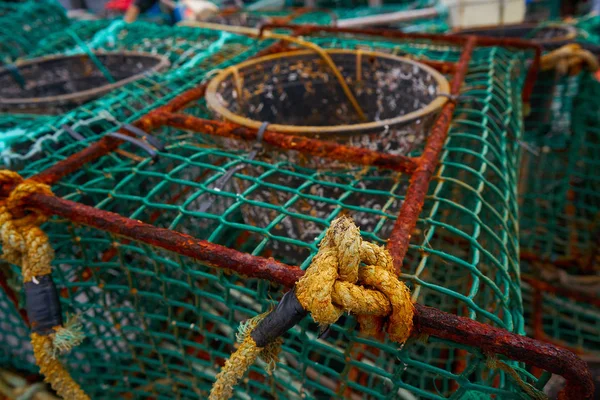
269,353
67,337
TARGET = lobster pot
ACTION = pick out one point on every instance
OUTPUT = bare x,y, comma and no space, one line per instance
55,84
298,94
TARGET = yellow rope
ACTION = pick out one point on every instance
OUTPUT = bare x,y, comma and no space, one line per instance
55,374
568,56
26,245
335,283
239,362
338,261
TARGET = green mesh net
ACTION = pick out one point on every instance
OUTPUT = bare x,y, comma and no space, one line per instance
160,325
23,25
23,138
560,207
559,183
569,322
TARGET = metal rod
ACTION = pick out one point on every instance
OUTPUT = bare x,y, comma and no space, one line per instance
315,147
419,183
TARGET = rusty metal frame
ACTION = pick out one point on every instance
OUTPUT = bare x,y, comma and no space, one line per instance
427,320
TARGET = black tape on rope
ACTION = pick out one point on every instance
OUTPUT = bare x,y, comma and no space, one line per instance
288,313
43,305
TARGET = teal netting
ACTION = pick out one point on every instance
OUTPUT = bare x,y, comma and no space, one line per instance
575,324
559,181
15,351
160,324
560,203
23,25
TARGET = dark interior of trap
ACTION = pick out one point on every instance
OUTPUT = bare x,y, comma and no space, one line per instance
41,84
300,89
522,31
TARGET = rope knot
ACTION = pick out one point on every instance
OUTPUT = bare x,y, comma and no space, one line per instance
350,275
22,188
23,242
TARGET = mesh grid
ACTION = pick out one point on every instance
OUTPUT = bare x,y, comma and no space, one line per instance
160,324
572,323
560,202
15,350
23,25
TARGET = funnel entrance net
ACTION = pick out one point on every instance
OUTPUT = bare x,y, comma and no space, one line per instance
58,83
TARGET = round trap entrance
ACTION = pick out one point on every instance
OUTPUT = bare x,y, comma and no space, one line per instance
55,84
298,93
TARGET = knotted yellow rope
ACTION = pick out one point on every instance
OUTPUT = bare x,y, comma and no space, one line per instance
26,245
568,56
334,283
329,286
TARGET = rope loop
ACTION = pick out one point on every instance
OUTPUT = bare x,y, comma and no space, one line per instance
349,275
26,245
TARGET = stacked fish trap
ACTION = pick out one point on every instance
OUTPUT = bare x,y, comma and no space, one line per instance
163,249
559,204
558,189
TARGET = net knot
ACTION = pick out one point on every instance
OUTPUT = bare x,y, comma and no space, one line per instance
350,275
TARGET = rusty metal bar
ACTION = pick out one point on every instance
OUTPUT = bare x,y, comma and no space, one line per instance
427,320
419,182
315,147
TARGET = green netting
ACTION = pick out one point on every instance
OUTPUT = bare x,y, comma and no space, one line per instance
184,47
559,182
560,199
23,25
589,28
60,41
572,323
160,324
16,350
